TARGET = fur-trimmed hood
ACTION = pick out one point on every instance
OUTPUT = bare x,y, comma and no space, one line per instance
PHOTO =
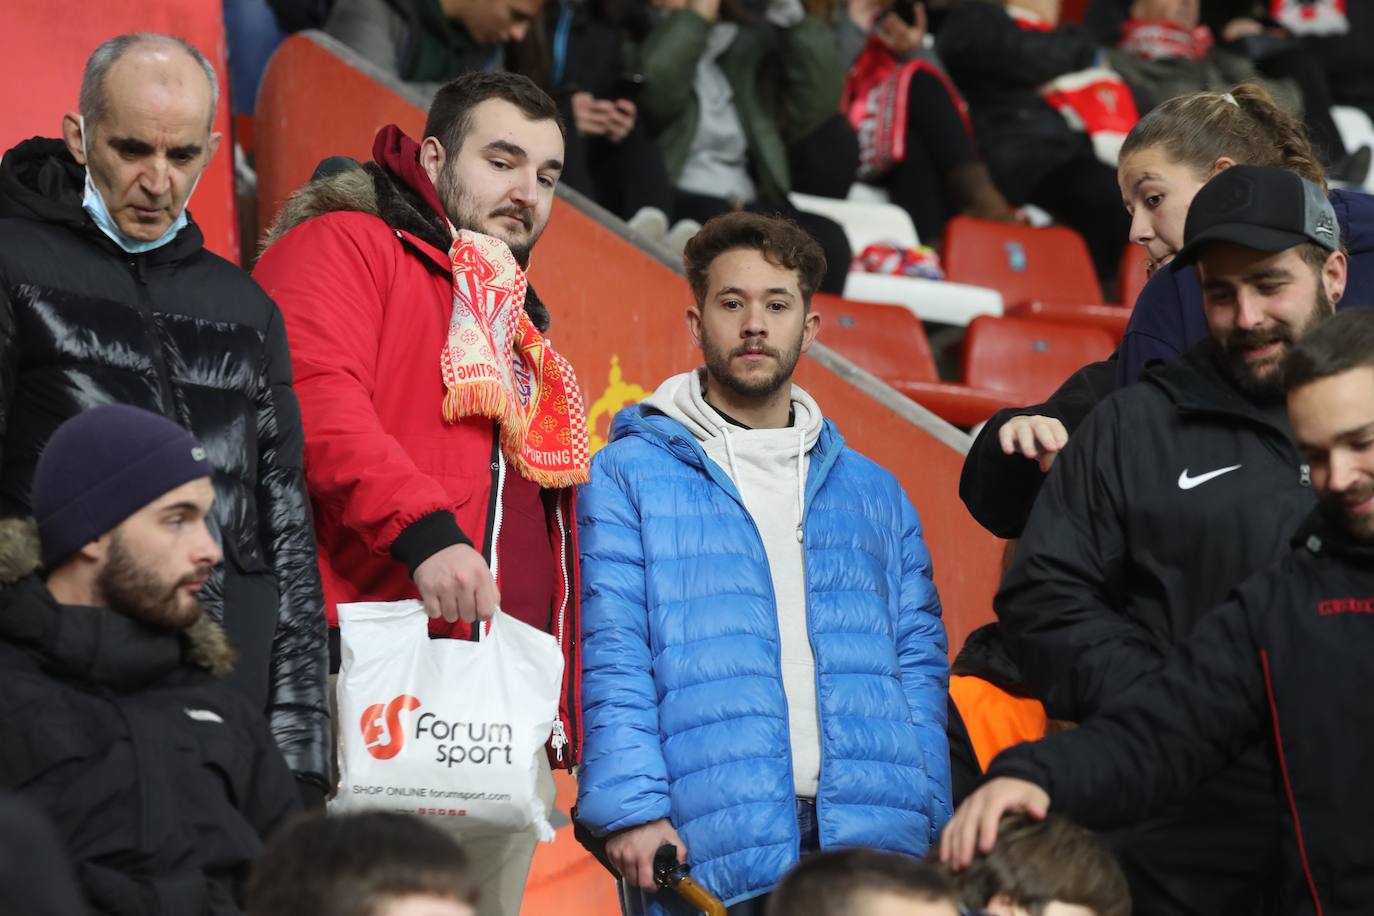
204,644
370,188
20,551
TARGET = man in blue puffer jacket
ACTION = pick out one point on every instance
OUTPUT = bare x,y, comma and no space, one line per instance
764,664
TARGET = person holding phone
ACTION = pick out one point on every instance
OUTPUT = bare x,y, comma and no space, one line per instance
743,97
576,53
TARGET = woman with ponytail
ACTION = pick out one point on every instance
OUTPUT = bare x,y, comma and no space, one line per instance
1170,154
1165,160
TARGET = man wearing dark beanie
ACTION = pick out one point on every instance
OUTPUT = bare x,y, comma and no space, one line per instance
160,779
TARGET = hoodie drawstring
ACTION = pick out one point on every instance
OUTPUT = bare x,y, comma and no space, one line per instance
730,454
801,474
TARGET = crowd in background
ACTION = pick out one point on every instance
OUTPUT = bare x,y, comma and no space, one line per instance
682,110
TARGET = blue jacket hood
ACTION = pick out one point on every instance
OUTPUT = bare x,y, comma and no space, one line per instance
655,426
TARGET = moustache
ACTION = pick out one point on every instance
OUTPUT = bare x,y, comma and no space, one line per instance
1356,495
521,213
752,348
198,577
1252,340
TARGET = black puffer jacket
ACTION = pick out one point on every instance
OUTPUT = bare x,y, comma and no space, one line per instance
160,779
184,333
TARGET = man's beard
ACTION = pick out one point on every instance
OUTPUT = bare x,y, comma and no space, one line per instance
138,592
1267,389
1333,506
464,213
718,367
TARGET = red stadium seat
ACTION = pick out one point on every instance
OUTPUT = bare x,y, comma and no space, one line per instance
890,342
1027,359
1109,318
1045,274
1049,265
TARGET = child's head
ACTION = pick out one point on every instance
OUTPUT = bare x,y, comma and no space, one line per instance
371,864
1174,149
863,882
1045,868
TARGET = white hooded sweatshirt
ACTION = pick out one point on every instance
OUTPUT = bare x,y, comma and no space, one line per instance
768,467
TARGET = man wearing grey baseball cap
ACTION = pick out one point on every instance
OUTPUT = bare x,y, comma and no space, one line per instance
1173,491
117,723
1263,209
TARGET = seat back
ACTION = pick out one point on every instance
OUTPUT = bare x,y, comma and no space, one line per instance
1026,358
886,340
1024,264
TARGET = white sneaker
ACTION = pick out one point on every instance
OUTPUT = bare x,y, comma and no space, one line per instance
650,223
677,237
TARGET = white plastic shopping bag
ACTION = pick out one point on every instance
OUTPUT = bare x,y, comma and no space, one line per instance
445,728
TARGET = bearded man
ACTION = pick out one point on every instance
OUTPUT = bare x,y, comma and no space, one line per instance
443,434
764,661
1171,493
159,777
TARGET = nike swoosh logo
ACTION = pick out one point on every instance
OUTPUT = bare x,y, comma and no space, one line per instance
1187,483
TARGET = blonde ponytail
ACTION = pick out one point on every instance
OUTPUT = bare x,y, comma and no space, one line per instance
1245,124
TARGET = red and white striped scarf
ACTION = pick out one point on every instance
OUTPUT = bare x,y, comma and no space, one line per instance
497,365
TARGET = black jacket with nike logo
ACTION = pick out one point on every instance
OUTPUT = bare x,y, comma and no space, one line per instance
1171,493
1287,655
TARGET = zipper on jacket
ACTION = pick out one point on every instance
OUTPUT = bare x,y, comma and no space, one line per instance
496,516
559,739
145,308
777,656
816,669
1288,785
489,548
493,505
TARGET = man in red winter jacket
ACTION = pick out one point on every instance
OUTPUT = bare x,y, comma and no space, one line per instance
442,434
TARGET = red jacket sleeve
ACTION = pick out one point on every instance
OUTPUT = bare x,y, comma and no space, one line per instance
331,277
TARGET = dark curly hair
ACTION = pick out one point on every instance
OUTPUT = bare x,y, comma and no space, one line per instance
781,242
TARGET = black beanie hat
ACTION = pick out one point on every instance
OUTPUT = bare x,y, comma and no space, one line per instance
102,466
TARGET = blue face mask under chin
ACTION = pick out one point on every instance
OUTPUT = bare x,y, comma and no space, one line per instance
94,204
